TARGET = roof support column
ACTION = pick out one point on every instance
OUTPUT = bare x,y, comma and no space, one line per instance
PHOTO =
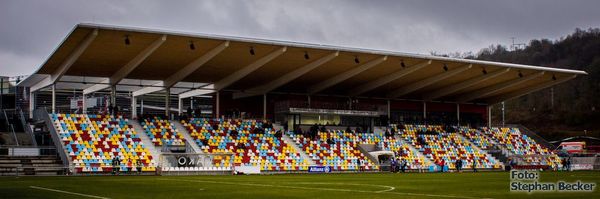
168,102
389,111
113,95
489,116
217,113
53,98
31,103
83,105
192,103
133,107
458,114
142,106
265,106
180,106
425,112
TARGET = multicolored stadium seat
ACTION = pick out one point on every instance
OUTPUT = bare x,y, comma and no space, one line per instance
92,141
476,137
402,150
341,154
439,145
519,144
250,146
162,132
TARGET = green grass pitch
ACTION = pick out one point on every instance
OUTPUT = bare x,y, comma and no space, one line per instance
365,185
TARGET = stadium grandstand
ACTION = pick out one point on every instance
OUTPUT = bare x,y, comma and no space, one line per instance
114,99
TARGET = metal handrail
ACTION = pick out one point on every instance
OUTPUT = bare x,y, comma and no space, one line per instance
12,129
43,114
27,127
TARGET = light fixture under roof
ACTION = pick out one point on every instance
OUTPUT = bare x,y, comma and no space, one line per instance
192,46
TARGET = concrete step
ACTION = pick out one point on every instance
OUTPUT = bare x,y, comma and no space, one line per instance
289,141
412,148
186,134
155,151
477,147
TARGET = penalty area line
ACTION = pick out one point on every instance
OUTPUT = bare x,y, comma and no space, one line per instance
67,192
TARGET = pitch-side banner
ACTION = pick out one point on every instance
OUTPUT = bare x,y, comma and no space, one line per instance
319,169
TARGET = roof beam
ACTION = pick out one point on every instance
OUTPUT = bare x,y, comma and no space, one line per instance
237,75
208,89
184,72
490,90
241,73
465,84
127,68
259,90
345,75
525,91
67,63
387,79
194,65
428,81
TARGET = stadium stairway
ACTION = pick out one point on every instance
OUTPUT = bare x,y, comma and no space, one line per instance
366,149
480,149
145,139
412,148
294,145
31,165
187,136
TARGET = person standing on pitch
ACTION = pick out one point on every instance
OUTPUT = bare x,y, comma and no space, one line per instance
458,164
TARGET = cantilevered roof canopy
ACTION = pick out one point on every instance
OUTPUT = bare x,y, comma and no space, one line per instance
94,57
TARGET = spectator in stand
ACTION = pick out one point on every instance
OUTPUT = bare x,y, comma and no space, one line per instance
323,129
358,130
197,112
115,111
474,165
330,141
189,112
348,130
110,109
278,134
564,164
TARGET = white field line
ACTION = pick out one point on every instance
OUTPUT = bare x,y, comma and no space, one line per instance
67,192
330,189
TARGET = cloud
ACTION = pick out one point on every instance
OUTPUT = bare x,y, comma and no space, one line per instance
31,30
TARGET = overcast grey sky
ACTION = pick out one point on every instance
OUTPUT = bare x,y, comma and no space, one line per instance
30,30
